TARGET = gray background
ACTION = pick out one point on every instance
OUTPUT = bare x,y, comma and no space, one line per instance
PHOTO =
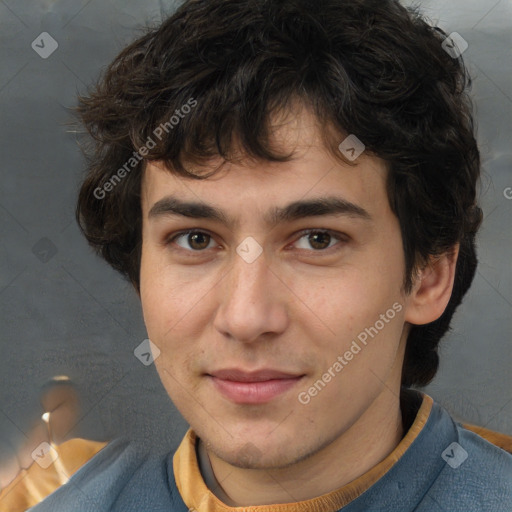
64,311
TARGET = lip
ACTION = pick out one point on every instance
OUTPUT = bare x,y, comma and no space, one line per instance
253,387
234,374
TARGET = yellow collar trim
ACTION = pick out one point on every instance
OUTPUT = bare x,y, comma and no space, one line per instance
199,498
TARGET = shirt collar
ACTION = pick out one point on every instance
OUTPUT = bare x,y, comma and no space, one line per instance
197,496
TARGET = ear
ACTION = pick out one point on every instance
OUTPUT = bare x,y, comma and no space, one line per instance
432,289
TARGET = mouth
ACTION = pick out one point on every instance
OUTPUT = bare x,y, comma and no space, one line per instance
253,387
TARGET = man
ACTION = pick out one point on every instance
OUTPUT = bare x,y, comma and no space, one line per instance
290,187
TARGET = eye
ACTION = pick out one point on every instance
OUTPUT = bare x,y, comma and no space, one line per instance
319,239
197,240
316,239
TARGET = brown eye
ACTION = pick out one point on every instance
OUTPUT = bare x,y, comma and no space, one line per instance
198,241
319,240
195,241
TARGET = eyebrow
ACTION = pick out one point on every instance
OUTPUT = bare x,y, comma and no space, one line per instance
321,206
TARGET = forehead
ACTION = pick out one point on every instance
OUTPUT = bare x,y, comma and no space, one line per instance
253,186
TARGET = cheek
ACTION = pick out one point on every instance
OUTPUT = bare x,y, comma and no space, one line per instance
151,301
347,308
349,297
156,296
175,304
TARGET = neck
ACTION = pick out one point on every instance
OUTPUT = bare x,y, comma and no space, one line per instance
351,455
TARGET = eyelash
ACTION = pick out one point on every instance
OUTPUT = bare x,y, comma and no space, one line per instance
341,237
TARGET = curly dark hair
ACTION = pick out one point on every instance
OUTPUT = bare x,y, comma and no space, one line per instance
372,68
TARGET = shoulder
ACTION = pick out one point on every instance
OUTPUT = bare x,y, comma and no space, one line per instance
476,475
122,476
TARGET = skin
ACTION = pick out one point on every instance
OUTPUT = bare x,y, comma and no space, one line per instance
296,308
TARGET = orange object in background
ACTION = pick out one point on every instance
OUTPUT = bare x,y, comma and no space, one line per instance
34,484
498,439
48,458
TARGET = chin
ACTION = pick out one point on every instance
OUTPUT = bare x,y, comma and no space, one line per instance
261,450
250,456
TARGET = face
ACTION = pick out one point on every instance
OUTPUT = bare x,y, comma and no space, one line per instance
261,324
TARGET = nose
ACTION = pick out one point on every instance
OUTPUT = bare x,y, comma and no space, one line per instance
253,301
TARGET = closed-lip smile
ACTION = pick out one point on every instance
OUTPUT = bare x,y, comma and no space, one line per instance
252,387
